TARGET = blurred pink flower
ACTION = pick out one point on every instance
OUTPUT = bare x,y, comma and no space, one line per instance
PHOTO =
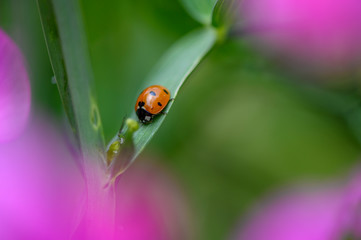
143,209
14,89
43,194
350,213
300,215
40,186
321,32
307,213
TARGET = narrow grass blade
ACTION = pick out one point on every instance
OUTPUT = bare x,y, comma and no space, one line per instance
68,52
224,13
171,72
67,47
201,10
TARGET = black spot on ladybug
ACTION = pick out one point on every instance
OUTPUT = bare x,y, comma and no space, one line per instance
141,104
165,91
152,93
159,104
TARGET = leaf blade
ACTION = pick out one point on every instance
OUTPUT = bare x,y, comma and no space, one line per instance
172,71
200,10
67,48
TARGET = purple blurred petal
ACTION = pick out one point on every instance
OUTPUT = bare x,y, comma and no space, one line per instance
43,195
350,213
14,89
150,206
303,214
322,31
40,187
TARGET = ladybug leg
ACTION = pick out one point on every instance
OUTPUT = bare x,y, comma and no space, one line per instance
166,112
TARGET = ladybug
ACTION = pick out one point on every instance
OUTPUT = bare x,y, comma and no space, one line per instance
151,102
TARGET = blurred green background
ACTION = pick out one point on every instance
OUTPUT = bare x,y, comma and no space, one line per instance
240,126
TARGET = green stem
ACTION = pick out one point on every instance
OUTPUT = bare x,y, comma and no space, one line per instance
68,52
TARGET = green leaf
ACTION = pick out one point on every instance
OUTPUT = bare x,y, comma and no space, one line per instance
224,13
171,72
201,10
68,52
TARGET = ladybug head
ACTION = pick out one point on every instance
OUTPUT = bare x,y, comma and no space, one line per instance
144,116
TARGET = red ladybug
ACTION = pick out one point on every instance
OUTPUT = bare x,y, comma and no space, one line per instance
151,102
